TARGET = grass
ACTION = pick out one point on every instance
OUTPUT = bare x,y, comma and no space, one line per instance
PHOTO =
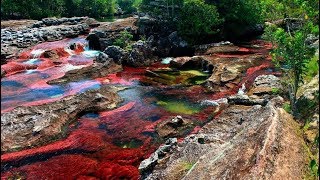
286,106
312,68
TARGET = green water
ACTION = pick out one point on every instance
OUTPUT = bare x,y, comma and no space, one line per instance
179,107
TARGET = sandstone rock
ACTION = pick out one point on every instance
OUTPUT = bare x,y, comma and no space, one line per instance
51,54
147,165
107,32
246,100
24,127
309,89
264,84
174,127
97,69
244,142
103,58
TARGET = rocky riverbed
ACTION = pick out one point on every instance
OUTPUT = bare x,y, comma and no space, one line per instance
74,105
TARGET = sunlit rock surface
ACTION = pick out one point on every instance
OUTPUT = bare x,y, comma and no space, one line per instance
244,142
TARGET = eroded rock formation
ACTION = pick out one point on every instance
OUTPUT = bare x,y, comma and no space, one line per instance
244,142
30,126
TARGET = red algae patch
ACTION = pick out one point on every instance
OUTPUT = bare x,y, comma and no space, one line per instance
64,166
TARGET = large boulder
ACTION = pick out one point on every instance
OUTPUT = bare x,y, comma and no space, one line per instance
141,54
179,47
265,84
174,127
244,142
118,54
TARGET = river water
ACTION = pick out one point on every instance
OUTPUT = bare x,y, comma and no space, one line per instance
109,144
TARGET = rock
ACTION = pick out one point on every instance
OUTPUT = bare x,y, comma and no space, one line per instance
177,41
15,41
3,73
94,42
148,164
140,55
103,58
179,47
107,32
265,84
245,100
265,144
25,127
230,73
310,135
117,54
309,89
174,127
92,22
51,54
218,102
195,62
97,69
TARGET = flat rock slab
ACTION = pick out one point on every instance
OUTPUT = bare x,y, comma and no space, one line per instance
244,142
25,127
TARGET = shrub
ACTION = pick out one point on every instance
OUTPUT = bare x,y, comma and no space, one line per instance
124,40
198,21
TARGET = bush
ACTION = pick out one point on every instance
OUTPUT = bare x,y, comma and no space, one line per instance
198,21
124,40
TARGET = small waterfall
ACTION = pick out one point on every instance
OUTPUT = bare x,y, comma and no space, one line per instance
166,60
36,53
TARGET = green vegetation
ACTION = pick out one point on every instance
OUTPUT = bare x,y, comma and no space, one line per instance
286,106
278,9
124,41
38,9
291,55
198,20
275,91
312,68
129,6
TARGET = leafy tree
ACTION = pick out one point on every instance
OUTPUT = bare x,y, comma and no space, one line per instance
198,21
237,15
291,55
129,6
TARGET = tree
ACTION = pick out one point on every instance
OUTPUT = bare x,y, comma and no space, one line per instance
291,55
237,15
198,21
